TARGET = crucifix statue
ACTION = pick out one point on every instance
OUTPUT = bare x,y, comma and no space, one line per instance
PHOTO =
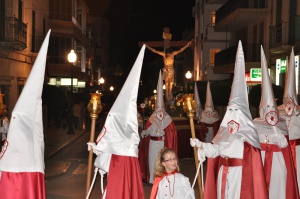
168,57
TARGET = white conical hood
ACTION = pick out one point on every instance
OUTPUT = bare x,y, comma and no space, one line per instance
198,102
267,108
290,97
25,149
160,105
160,118
209,115
120,135
237,121
209,105
269,121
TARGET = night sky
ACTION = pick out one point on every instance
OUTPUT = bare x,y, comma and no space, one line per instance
132,21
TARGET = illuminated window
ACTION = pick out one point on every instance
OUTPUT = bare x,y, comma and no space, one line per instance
213,18
212,54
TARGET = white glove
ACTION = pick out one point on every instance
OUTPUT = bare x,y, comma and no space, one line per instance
195,142
92,146
144,133
280,140
201,156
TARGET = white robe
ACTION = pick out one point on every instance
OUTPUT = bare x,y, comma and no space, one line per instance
233,149
154,148
181,188
278,177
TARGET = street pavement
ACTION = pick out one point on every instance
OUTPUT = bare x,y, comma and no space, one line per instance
57,138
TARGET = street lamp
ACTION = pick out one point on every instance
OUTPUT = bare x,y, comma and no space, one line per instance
72,59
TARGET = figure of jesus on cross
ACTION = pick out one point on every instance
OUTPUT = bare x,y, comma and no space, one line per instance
168,57
168,71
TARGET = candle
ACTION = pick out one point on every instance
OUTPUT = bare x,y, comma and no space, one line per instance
189,105
94,104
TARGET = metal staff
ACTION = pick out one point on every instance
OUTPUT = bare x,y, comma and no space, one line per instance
189,107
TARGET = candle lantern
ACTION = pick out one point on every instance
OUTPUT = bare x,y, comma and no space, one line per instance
189,105
95,106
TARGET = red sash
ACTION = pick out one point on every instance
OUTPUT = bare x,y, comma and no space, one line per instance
228,162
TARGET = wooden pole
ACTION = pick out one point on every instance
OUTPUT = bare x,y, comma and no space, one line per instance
189,107
191,117
94,107
94,117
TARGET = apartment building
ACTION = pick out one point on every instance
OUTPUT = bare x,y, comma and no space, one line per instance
273,24
23,26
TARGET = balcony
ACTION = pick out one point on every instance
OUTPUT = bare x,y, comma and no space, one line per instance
65,25
13,36
225,59
237,14
283,36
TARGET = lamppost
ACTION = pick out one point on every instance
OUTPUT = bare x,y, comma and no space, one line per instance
72,59
188,76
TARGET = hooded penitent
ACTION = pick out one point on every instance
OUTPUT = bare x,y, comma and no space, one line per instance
276,154
236,141
289,96
120,138
160,117
22,158
160,132
269,115
209,115
198,102
237,120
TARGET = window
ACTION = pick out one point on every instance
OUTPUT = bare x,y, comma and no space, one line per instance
213,18
212,55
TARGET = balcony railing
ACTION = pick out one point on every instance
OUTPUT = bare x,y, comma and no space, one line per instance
15,31
233,5
227,56
285,33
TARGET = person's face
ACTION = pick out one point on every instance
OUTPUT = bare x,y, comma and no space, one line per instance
170,162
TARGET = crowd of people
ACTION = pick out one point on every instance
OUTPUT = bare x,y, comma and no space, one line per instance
246,157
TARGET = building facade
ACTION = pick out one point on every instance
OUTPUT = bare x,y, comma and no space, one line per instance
23,26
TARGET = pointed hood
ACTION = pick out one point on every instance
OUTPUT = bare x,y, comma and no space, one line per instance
160,118
237,121
269,121
160,104
209,115
24,151
120,135
198,103
290,97
267,108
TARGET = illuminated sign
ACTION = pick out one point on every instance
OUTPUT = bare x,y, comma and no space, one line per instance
255,74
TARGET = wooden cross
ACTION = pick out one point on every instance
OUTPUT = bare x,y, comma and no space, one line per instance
167,43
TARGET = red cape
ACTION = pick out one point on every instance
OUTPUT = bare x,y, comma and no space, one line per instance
253,184
291,178
170,142
22,185
124,179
